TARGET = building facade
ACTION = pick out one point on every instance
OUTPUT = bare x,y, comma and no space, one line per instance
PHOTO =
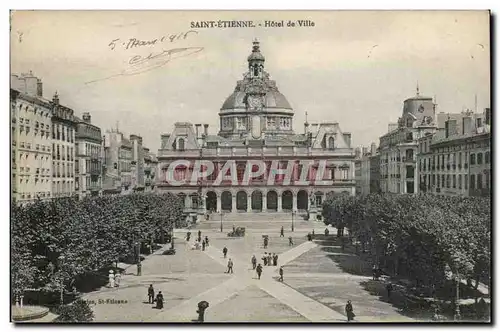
88,154
398,148
150,169
63,149
31,144
456,161
256,125
118,156
137,165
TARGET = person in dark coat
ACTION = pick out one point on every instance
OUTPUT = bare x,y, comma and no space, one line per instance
327,232
290,241
203,244
224,251
265,259
266,242
309,237
275,260
389,289
159,300
259,270
349,311
206,241
199,234
254,262
188,236
151,294
281,274
282,232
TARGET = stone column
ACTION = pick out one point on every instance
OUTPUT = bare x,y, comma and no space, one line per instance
233,201
249,203
264,201
279,203
294,204
219,203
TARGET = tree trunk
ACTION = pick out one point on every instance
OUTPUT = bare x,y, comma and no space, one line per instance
61,299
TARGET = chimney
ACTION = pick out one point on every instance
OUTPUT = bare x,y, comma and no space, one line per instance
39,88
373,149
86,117
466,125
357,153
450,128
205,129
198,125
55,99
347,139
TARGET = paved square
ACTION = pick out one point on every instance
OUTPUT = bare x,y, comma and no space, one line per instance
316,288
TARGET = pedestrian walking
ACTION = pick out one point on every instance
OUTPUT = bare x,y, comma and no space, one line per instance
199,234
313,233
118,276
290,241
349,311
224,251
230,266
111,278
234,229
265,259
203,244
275,260
259,270
282,232
159,300
266,242
188,236
270,259
309,237
206,241
254,262
374,272
389,288
151,294
281,274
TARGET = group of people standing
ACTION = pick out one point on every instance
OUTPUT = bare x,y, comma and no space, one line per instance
151,297
268,259
199,243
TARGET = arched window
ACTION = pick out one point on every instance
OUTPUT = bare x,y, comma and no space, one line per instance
180,144
331,143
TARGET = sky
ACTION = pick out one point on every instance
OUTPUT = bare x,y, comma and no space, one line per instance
355,68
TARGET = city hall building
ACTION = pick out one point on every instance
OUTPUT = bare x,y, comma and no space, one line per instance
256,127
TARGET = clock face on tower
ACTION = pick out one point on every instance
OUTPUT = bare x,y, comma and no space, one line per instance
255,102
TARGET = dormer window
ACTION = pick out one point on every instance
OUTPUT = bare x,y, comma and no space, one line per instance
180,144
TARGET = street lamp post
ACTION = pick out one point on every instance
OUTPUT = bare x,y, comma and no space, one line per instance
293,214
221,214
457,305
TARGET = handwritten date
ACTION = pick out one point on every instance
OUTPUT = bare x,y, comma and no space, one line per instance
131,43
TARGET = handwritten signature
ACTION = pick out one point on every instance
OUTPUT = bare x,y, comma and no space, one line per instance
141,64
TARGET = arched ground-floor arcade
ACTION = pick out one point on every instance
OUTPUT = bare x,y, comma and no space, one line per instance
257,199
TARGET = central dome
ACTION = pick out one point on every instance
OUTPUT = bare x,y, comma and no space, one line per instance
256,82
273,99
